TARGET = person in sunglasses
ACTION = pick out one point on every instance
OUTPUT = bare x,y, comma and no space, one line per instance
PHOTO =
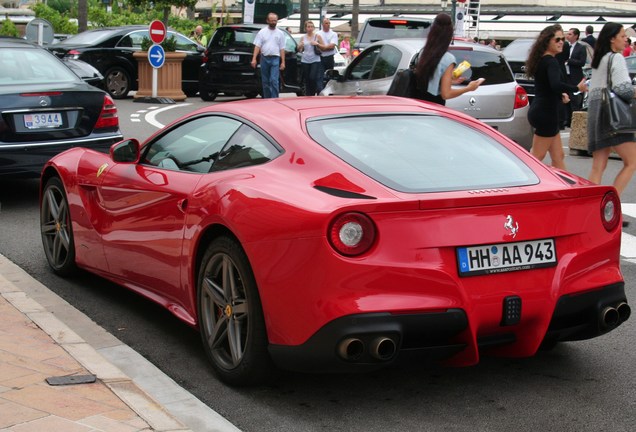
551,92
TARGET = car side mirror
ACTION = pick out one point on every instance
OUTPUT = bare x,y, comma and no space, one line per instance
127,151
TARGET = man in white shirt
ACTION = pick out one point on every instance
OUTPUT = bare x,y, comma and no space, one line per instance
328,48
270,44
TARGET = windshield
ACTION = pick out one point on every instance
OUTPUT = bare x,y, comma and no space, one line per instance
88,38
234,37
421,153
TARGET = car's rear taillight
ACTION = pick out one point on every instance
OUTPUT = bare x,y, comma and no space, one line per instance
610,211
204,59
355,52
108,117
74,54
521,97
352,234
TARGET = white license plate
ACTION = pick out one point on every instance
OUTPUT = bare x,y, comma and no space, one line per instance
43,121
506,257
521,76
230,58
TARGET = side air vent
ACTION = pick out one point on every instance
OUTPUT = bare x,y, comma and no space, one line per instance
342,193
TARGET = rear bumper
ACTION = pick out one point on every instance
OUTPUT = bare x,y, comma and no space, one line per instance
371,341
27,159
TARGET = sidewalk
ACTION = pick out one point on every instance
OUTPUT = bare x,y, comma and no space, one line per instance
34,346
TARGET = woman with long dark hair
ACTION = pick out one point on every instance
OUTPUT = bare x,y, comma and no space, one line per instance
611,41
434,70
551,91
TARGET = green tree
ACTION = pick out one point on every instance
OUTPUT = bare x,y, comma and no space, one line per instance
164,6
8,28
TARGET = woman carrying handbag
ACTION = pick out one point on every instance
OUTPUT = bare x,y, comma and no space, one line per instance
611,40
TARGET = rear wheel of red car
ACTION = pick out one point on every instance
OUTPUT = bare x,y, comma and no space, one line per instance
231,316
117,82
55,227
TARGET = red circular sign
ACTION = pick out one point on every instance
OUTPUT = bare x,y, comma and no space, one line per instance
157,31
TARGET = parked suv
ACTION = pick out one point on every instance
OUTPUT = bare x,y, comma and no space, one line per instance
226,64
395,27
499,102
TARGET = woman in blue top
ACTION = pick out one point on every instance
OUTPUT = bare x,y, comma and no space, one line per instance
434,70
551,91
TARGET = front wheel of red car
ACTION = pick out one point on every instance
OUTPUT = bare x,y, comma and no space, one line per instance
231,316
55,227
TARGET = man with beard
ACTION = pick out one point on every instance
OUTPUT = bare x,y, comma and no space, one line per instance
270,44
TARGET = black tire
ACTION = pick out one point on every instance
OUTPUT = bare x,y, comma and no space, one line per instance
231,316
251,95
208,95
56,229
117,82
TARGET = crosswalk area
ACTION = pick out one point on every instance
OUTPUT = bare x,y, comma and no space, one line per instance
628,241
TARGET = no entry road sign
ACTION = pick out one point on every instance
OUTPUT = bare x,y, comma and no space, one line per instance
157,31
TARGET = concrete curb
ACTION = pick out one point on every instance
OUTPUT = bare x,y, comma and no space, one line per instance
120,384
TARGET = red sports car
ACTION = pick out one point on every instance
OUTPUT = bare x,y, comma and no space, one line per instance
342,234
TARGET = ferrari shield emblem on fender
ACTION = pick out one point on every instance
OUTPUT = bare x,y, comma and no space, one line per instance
101,169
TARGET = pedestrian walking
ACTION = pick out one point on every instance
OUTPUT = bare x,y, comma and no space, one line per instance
589,36
551,92
610,44
310,60
576,57
328,47
434,70
270,44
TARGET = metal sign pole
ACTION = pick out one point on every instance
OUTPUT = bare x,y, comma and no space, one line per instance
154,82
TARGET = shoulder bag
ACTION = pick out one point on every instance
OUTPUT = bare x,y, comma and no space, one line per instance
402,84
618,116
316,49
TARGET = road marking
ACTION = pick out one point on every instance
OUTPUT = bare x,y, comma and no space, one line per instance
152,113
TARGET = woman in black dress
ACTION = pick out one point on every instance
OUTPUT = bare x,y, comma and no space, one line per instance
551,90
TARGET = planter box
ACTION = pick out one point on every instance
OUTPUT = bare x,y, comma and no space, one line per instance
169,76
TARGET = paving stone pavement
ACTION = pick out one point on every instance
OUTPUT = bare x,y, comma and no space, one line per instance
34,346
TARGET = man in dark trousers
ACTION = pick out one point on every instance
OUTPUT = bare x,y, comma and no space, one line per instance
576,57
589,36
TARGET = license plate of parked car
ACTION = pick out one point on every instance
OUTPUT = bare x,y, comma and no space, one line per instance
230,58
506,257
521,76
42,121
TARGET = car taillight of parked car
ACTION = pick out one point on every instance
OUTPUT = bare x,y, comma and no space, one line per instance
108,118
74,54
521,97
355,52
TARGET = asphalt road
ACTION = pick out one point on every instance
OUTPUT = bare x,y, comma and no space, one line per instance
582,386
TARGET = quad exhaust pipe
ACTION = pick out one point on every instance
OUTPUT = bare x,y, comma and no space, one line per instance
382,348
611,317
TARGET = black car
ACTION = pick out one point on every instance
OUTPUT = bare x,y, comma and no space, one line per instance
394,27
45,109
517,53
110,50
227,66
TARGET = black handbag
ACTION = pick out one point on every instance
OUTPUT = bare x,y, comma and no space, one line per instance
403,84
316,49
618,116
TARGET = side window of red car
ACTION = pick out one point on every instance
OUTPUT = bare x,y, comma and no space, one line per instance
191,146
246,148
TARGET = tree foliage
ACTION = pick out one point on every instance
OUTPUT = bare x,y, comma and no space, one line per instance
59,21
8,28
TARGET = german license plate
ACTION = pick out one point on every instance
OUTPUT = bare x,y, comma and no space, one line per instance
228,58
43,121
521,76
506,257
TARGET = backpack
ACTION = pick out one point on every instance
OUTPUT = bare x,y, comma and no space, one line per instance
403,84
